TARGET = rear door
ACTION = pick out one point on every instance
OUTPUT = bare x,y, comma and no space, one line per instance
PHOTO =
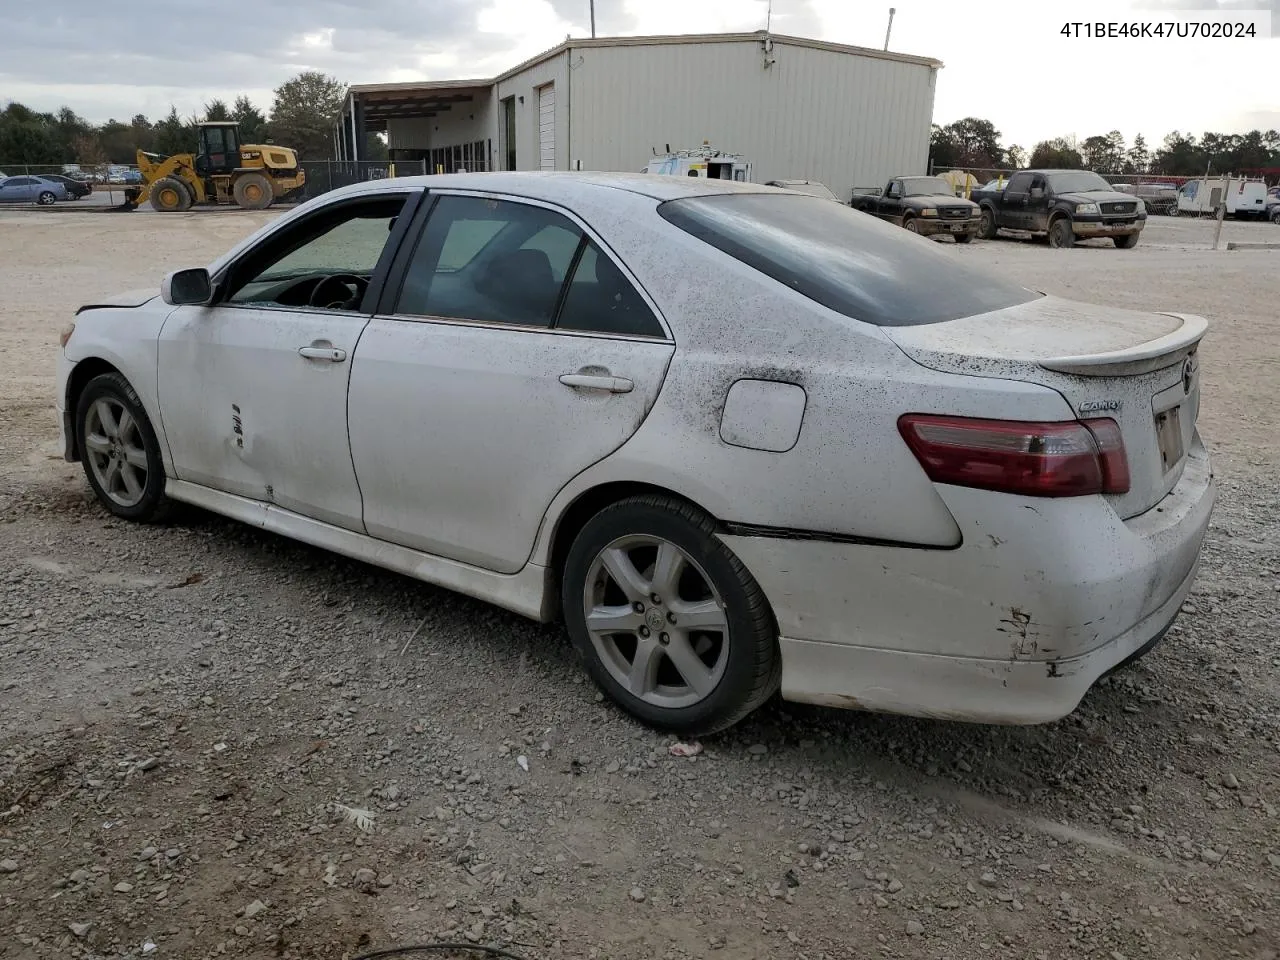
1017,195
516,353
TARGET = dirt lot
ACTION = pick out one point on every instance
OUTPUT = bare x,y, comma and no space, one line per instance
182,709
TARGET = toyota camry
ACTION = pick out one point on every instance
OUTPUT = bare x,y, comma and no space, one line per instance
740,440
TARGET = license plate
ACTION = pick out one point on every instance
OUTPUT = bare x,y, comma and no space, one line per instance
957,228
1169,436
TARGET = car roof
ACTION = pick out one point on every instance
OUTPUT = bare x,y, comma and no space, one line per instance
551,185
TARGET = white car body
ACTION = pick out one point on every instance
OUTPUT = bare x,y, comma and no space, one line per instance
450,452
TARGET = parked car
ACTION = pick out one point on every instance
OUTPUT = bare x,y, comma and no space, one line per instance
1065,206
75,187
1273,205
923,205
39,190
738,438
811,187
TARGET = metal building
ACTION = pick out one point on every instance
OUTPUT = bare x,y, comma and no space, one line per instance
795,108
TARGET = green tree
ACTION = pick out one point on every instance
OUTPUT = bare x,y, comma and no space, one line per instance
1138,160
27,137
1059,153
1104,154
253,125
174,135
1015,156
1179,156
216,110
304,111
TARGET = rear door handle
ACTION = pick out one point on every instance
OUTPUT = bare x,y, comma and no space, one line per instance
583,381
314,352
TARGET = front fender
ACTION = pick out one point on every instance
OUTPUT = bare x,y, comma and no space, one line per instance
127,340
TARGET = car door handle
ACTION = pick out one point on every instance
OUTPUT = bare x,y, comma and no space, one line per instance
585,381
332,354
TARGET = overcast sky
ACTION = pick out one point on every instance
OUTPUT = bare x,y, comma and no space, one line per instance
1005,59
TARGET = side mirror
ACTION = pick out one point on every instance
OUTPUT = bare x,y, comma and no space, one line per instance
187,287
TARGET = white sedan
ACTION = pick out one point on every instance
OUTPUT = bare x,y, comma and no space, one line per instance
739,439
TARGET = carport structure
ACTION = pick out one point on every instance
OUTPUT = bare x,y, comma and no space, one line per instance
448,120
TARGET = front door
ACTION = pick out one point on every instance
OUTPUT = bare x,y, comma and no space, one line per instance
517,354
253,389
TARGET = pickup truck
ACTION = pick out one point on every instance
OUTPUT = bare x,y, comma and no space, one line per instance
924,205
1065,206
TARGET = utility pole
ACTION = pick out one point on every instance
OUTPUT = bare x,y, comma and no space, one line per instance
593,19
888,29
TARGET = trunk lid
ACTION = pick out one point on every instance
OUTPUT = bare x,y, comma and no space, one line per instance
1140,369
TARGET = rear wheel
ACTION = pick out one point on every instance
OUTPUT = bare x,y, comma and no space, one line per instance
119,450
987,225
1060,233
46,198
252,191
668,621
170,195
1126,242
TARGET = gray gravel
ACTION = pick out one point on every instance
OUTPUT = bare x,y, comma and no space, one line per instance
215,742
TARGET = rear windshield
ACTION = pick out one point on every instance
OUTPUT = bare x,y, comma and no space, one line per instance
848,261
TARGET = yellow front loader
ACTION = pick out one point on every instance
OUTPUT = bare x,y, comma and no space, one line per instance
224,170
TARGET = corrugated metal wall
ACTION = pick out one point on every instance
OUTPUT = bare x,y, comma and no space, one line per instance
843,119
525,84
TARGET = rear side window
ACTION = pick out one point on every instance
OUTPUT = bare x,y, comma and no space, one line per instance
848,261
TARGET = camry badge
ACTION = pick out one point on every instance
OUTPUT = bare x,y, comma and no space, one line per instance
1099,406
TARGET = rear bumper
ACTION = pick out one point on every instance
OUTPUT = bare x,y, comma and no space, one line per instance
1042,598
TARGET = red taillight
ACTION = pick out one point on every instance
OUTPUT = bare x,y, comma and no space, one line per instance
1058,459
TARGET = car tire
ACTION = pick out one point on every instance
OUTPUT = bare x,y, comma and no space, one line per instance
642,565
987,228
47,198
253,191
121,457
909,223
1061,236
964,238
1126,242
170,195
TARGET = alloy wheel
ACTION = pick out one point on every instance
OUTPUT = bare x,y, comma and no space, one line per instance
656,621
116,453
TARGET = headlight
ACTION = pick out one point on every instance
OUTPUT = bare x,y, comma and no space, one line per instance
929,212
1086,208
1142,207
65,334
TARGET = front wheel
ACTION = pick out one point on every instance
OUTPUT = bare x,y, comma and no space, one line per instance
1060,234
987,225
119,450
911,224
1127,242
668,621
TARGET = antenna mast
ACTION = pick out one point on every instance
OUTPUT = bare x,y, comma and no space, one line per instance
888,29
768,17
593,19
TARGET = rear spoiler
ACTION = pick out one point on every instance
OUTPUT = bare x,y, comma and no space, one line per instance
1167,351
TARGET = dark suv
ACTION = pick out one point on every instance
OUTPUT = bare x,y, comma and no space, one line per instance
1065,206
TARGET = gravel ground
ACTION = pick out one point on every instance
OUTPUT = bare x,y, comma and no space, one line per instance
215,741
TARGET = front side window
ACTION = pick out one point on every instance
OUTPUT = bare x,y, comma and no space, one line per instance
856,265
493,261
312,263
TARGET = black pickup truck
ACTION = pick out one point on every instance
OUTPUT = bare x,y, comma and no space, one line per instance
1065,205
924,205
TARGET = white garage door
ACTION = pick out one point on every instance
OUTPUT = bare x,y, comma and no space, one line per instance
547,127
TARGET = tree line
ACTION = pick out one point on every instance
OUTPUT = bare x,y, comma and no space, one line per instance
302,115
973,142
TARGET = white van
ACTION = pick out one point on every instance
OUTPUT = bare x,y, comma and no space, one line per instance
1245,199
703,162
